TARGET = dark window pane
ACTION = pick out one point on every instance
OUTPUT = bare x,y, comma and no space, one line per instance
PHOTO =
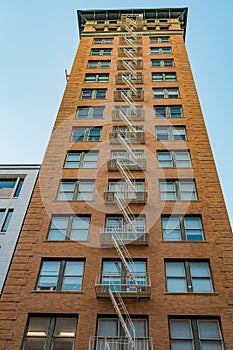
7,220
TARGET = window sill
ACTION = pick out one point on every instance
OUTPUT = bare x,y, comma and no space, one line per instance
64,241
58,291
192,293
184,242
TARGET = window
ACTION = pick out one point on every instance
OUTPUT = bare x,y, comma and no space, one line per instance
76,190
124,156
81,159
90,112
182,228
103,41
171,190
176,133
101,52
174,159
69,228
195,334
114,273
156,77
125,191
60,275
126,133
110,329
162,63
10,187
86,134
120,225
188,276
166,93
5,217
162,39
160,50
138,111
96,94
98,64
49,333
97,78
168,112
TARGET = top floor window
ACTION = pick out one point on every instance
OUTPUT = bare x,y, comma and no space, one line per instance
161,39
101,52
103,41
160,50
10,187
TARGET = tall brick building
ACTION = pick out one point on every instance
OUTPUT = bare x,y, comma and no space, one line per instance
126,242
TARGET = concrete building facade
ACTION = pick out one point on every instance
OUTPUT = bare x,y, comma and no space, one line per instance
16,186
126,242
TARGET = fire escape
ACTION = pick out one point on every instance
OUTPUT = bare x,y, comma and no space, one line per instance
131,283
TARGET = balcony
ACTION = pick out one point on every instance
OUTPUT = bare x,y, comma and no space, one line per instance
135,137
138,41
138,65
117,95
138,197
123,284
135,53
139,238
139,165
138,80
135,116
119,343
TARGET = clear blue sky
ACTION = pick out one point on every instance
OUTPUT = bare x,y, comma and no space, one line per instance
39,41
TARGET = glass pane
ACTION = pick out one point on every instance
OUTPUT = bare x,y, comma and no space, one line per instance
162,134
192,223
108,328
112,267
32,343
7,220
74,268
57,235
2,212
63,344
81,222
38,325
78,134
176,285
79,235
59,222
182,345
209,329
180,329
160,112
175,269
199,269
50,268
72,283
140,328
211,345
6,187
171,229
86,186
202,285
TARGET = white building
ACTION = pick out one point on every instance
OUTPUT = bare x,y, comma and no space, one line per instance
16,186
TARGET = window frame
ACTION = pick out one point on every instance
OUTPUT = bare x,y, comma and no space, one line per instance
164,77
99,64
103,41
162,63
161,50
94,94
90,112
168,111
181,228
101,52
76,192
173,159
166,93
171,133
69,227
195,330
159,39
61,275
188,277
97,77
16,189
81,160
86,134
52,323
178,189
5,219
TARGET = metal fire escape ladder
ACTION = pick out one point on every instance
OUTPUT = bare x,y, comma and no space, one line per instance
126,211
124,254
120,308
